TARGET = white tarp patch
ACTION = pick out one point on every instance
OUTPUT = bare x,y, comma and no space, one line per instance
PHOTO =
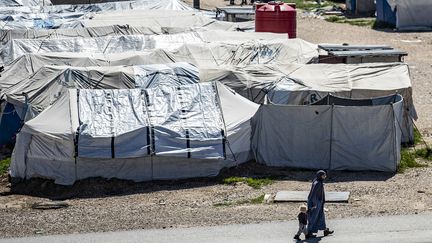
175,74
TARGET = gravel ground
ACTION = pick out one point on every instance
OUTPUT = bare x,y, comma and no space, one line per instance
99,205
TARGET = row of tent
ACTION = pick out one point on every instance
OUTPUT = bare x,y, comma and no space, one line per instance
178,94
195,130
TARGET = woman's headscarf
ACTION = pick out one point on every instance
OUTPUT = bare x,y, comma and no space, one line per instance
319,175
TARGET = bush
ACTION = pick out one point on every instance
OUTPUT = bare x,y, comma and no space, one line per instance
358,22
408,161
417,136
425,153
4,165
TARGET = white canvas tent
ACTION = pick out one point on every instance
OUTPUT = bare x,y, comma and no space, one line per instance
334,134
160,133
412,14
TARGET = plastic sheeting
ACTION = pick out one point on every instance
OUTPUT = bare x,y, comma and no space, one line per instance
205,55
133,43
205,110
343,135
160,18
165,75
116,6
102,45
15,3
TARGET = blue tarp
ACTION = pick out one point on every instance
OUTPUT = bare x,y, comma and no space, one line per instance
10,123
385,13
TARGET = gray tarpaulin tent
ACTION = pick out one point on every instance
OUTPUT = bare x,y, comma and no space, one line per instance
295,49
335,134
51,82
412,14
204,55
309,83
161,133
299,84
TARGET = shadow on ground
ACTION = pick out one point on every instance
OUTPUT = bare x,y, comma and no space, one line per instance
100,187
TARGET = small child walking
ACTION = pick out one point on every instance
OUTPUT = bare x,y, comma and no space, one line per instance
303,219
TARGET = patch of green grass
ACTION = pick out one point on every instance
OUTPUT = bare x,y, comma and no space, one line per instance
309,5
256,183
256,200
417,136
344,20
4,165
425,153
408,160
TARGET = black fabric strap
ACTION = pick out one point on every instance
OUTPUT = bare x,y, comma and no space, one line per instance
112,148
189,155
79,125
153,145
223,143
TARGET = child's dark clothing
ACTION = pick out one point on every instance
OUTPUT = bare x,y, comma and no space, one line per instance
302,218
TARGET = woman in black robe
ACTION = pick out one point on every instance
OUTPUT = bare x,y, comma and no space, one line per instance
316,201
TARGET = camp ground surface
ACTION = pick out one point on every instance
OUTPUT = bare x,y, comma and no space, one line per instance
405,228
97,205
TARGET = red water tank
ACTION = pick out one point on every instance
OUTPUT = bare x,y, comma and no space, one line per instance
276,17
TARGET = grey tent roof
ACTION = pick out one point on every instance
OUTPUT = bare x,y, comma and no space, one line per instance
188,134
51,82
